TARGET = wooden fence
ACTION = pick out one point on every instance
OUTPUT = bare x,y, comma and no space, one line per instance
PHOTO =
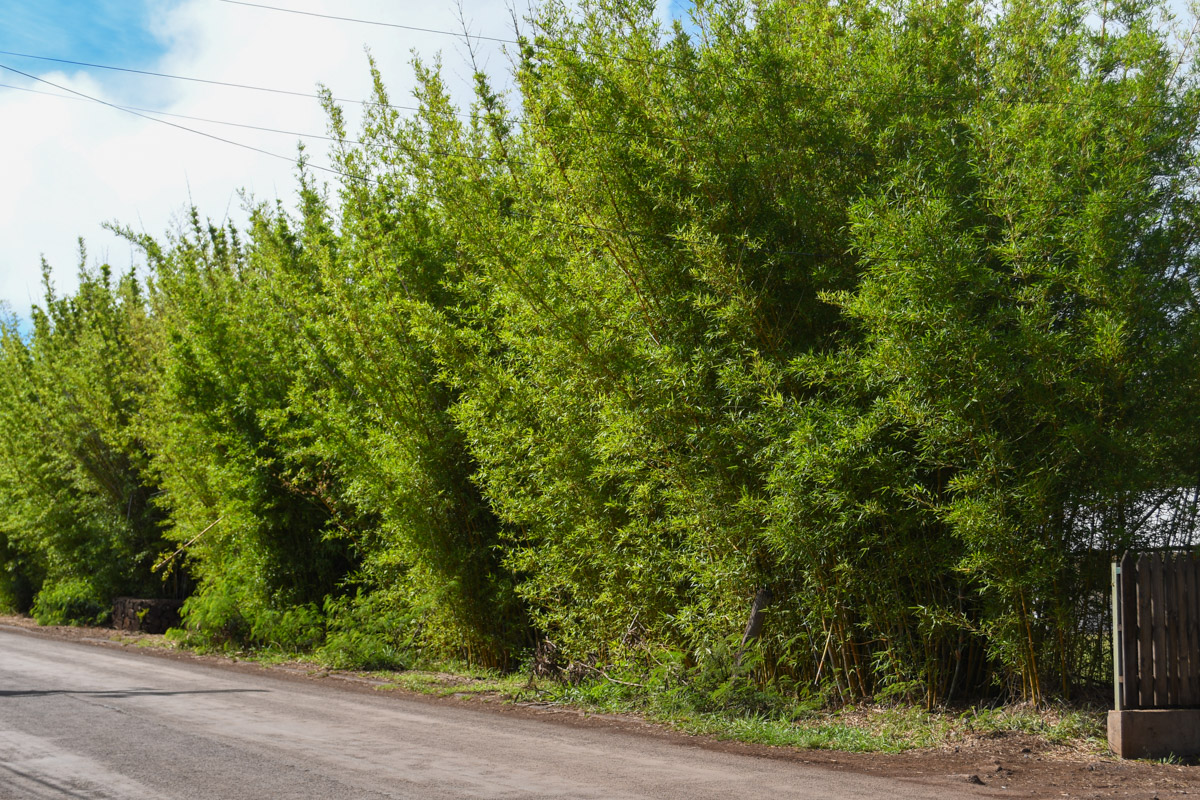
1156,631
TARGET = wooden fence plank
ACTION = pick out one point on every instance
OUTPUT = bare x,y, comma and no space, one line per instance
1162,660
1171,633
1117,649
1156,630
1183,656
1182,697
1191,630
1171,630
1145,661
1158,618
1192,625
1129,632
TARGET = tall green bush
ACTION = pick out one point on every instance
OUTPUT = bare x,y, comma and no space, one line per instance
76,516
883,311
251,511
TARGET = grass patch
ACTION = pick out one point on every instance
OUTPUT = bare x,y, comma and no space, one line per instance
445,684
721,704
735,709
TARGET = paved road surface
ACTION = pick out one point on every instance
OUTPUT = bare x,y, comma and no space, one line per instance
78,721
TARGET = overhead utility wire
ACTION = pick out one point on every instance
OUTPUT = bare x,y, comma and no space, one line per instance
367,21
273,90
264,129
552,220
628,233
138,112
301,134
222,139
658,62
35,91
447,153
208,81
564,48
427,149
209,120
501,40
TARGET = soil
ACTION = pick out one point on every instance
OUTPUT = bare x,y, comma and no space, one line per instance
996,765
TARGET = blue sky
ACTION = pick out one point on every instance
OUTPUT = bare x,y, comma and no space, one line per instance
103,31
67,165
84,30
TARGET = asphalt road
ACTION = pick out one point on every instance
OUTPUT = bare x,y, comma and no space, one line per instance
79,721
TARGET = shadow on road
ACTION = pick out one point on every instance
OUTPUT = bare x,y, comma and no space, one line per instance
55,789
117,693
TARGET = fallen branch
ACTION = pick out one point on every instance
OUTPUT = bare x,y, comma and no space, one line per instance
606,677
189,543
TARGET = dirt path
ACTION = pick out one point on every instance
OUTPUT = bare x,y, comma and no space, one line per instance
114,720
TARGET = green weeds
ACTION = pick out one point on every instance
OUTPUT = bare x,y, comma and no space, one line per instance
720,702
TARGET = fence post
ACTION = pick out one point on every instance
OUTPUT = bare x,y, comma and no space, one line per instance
1130,687
1156,655
1118,650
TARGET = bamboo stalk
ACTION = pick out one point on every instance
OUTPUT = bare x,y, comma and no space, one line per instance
189,543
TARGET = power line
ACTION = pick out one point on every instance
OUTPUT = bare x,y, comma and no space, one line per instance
182,116
542,123
700,71
143,113
367,21
427,149
273,90
500,40
518,120
38,91
265,129
626,233
181,127
207,81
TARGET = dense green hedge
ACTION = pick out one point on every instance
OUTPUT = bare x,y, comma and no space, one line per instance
887,308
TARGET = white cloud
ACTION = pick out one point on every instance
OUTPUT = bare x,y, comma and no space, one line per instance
70,165
67,166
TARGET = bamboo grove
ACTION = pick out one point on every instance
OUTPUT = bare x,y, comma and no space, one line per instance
887,308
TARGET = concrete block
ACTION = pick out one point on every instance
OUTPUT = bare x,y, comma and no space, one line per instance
148,616
1155,733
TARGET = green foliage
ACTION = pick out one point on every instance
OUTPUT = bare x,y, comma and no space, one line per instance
225,616
889,308
252,511
75,601
368,633
379,413
76,494
851,301
1023,333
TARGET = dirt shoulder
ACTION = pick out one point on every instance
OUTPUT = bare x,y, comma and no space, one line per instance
1012,765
